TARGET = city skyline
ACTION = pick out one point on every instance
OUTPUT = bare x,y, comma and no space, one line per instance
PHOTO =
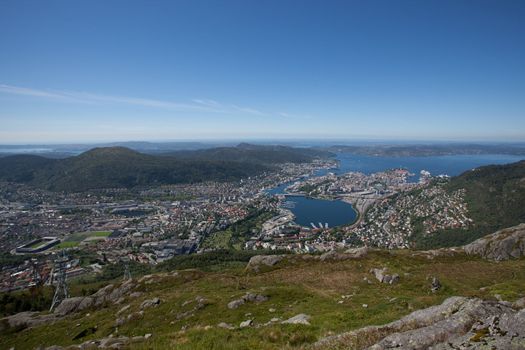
240,70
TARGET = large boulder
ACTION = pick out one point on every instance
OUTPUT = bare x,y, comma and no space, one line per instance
457,323
505,244
70,305
352,253
150,303
357,253
248,297
383,277
298,319
257,261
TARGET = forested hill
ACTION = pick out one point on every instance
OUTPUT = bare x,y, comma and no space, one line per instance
111,167
245,152
495,197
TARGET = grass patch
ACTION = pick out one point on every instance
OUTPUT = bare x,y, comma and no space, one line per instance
80,236
64,244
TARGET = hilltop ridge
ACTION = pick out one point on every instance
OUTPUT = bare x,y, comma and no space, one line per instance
110,167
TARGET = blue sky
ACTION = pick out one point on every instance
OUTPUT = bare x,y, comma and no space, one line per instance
81,71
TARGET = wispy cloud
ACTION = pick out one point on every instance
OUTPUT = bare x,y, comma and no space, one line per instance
27,92
84,97
196,105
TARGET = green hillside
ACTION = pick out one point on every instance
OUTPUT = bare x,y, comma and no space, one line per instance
495,197
121,167
335,294
246,152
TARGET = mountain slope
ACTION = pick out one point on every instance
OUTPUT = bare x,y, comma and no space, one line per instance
110,167
119,167
495,197
245,152
337,293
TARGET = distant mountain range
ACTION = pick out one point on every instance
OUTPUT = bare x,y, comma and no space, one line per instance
182,148
120,167
429,149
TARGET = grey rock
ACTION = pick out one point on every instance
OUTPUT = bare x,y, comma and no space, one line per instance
75,304
394,279
352,253
455,324
332,255
298,319
436,285
225,325
357,253
124,309
235,303
256,262
505,244
248,297
150,303
255,298
120,321
383,277
135,295
26,319
519,304
379,274
137,339
245,324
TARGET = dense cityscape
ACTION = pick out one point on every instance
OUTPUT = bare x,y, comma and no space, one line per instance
152,225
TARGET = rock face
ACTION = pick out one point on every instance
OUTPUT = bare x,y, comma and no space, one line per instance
75,304
259,261
501,245
256,262
457,323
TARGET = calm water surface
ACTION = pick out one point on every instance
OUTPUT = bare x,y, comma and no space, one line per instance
336,213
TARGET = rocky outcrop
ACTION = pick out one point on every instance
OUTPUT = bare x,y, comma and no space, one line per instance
505,244
457,323
257,261
110,294
383,277
150,303
75,304
248,297
357,253
353,253
26,319
298,319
